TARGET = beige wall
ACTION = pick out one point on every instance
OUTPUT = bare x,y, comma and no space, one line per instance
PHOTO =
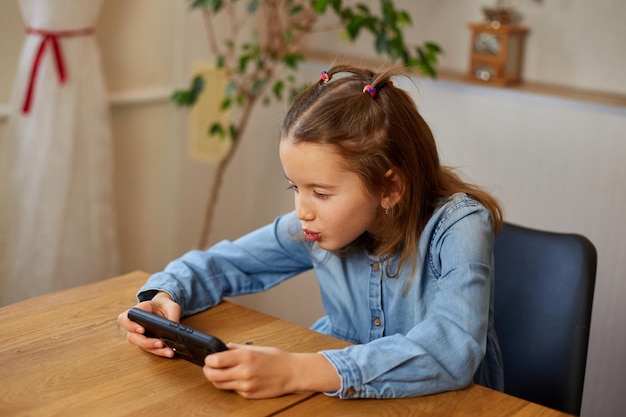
555,163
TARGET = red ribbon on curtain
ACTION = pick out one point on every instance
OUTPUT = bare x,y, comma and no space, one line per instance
49,37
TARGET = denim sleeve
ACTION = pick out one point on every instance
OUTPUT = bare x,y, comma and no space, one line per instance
253,263
443,350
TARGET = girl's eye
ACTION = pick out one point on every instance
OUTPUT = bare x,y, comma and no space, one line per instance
292,187
320,195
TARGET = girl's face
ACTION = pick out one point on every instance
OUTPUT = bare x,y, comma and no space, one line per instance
331,202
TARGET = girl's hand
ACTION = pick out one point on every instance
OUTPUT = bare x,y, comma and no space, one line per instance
163,305
265,372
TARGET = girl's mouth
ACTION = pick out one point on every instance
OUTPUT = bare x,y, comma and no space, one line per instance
311,236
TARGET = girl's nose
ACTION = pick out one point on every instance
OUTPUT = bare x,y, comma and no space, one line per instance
303,210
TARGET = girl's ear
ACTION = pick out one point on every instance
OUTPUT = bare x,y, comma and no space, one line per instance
395,190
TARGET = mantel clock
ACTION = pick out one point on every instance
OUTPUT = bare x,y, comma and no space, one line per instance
496,53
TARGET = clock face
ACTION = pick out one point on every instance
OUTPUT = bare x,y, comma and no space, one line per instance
487,43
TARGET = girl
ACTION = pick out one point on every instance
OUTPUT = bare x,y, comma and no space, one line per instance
400,245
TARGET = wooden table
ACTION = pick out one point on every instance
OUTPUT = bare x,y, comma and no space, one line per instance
63,354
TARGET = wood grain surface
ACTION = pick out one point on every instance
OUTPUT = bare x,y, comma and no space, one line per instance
63,354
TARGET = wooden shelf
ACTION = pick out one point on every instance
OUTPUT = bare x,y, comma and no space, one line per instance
589,96
578,94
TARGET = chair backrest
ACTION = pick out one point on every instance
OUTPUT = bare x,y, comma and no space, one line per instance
544,284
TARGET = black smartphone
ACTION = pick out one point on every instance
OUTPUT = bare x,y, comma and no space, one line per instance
190,344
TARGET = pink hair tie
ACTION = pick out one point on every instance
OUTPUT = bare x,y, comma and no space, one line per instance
369,89
325,77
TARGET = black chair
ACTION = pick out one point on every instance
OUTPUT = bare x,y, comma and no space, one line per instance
544,283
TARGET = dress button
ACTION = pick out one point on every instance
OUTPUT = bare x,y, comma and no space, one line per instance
376,266
377,321
350,392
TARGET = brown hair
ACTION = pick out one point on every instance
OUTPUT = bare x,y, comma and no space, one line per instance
375,133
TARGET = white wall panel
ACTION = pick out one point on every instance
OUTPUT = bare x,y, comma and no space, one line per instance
555,164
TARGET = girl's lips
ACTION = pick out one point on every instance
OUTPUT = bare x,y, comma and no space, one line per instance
311,236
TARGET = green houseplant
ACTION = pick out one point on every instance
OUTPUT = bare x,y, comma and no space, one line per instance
264,46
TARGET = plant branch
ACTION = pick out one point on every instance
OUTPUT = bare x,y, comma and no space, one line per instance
210,31
218,177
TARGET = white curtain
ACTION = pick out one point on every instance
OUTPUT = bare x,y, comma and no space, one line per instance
57,222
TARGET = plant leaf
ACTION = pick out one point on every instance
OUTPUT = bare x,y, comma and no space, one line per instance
214,5
319,6
216,129
185,98
253,6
